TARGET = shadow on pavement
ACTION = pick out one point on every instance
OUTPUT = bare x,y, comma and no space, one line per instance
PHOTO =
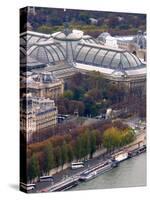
14,186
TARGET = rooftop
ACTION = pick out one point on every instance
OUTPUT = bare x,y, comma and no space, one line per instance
47,52
97,55
59,50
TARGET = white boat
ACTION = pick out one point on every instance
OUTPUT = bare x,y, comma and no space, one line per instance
89,176
120,157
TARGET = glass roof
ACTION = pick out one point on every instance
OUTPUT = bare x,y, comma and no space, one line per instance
106,57
84,49
28,38
47,53
89,39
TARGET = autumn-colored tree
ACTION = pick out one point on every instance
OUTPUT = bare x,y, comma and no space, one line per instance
95,93
64,153
77,142
49,157
78,148
70,152
86,143
99,137
92,143
114,138
33,168
58,159
127,136
68,94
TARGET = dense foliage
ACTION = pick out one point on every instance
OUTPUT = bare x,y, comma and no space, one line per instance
49,20
114,138
81,145
89,94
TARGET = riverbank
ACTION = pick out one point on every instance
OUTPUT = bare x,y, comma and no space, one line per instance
130,173
89,173
58,177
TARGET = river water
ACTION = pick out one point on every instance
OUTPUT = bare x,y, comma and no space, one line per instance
129,173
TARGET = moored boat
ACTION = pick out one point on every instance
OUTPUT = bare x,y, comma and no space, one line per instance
119,157
95,171
137,151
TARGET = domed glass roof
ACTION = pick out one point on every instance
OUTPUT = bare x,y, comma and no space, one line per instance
28,38
89,39
47,52
68,50
98,55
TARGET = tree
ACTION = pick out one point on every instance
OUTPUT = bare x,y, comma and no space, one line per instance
68,94
128,136
114,137
33,168
78,148
44,29
49,158
92,143
85,138
95,94
113,22
98,136
78,93
64,153
111,138
70,152
83,145
89,104
58,158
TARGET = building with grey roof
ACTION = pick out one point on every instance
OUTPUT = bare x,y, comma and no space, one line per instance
69,51
43,84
